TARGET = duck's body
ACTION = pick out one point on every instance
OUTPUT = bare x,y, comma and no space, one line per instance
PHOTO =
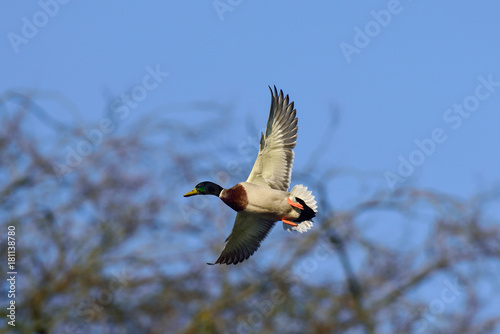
263,202
264,198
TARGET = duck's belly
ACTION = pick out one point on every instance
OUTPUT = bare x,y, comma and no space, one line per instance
269,203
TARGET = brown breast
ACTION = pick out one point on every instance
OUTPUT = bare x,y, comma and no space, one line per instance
235,197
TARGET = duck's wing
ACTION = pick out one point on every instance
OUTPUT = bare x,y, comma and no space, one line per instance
273,167
245,238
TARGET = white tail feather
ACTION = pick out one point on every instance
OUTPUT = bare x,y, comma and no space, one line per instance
301,192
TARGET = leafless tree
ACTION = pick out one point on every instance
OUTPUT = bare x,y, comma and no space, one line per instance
106,243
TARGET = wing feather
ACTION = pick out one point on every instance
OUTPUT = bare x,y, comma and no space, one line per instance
273,167
245,238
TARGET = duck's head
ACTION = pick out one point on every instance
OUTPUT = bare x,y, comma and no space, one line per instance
205,188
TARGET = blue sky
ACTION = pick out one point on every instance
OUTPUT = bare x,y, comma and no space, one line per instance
413,62
419,62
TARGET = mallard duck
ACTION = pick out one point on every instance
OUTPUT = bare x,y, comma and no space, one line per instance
264,199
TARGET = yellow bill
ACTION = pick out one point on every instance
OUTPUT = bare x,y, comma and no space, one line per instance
191,193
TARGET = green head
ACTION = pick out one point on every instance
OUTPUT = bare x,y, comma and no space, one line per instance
205,188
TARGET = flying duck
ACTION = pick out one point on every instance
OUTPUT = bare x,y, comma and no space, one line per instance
263,199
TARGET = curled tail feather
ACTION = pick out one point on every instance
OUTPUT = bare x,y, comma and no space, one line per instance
305,196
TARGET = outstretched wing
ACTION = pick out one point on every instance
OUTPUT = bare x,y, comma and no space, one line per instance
245,238
273,167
